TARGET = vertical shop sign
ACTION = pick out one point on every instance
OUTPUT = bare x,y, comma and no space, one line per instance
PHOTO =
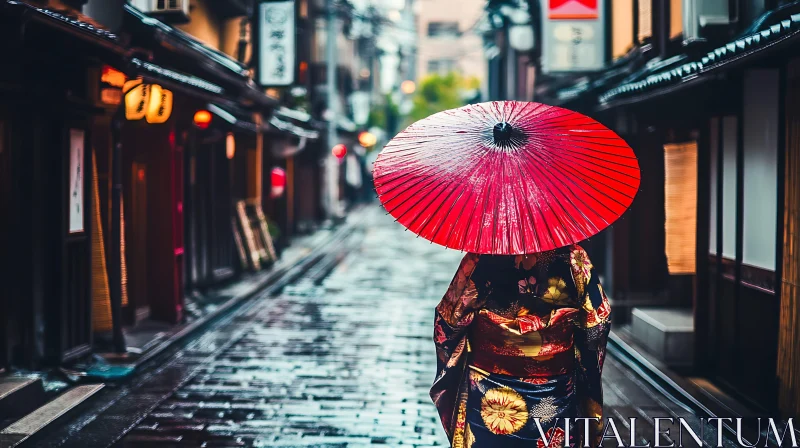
276,43
76,170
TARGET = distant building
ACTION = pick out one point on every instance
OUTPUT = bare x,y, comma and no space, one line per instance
446,40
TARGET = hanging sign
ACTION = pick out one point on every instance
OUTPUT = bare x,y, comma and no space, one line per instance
276,24
573,36
76,146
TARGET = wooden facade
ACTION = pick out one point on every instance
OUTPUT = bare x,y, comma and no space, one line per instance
736,107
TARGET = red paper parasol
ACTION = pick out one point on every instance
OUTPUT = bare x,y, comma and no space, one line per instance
506,177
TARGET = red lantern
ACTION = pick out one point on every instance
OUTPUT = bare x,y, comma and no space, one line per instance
339,151
278,181
202,119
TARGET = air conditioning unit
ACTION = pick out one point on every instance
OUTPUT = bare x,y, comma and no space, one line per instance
171,11
705,19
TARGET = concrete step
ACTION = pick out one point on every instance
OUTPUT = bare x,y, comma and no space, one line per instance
34,423
19,396
666,333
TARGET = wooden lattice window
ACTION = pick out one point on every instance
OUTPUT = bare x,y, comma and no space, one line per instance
680,192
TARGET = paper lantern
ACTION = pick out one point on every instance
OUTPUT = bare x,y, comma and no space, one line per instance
112,76
278,182
230,145
136,102
202,119
339,151
367,139
128,85
159,105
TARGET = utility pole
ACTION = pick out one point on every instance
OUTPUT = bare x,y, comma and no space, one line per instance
331,165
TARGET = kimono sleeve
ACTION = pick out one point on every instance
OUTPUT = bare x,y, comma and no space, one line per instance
590,340
454,314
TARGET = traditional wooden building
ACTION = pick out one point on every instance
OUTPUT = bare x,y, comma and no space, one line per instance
703,266
119,214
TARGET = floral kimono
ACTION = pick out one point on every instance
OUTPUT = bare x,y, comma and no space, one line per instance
520,342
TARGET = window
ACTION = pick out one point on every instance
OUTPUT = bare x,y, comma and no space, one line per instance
441,66
675,18
729,185
680,194
443,29
713,147
760,139
645,19
622,26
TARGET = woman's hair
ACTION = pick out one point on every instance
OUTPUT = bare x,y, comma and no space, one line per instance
496,273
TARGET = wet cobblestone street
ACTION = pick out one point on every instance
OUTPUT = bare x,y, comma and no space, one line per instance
347,362
343,357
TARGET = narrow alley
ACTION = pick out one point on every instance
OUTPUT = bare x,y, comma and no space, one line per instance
341,358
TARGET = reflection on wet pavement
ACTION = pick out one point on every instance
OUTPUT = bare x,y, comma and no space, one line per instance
346,362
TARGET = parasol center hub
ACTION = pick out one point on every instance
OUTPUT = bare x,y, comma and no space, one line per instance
502,133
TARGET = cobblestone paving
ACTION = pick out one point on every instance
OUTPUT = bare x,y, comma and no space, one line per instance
347,362
337,360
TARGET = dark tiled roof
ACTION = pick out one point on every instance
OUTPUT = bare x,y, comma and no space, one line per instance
78,22
202,50
156,71
714,59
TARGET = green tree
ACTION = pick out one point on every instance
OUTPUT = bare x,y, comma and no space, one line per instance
437,93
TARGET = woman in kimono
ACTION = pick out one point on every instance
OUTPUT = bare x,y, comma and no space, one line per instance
520,339
520,342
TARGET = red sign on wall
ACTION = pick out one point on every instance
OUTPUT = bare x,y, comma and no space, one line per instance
573,9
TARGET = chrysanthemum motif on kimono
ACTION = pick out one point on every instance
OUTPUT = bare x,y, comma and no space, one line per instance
503,411
527,349
555,292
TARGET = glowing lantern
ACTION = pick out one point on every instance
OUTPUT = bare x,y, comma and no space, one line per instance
339,151
202,119
136,102
131,84
112,76
367,139
408,87
230,145
278,182
160,105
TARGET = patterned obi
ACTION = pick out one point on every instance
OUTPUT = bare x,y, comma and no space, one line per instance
525,347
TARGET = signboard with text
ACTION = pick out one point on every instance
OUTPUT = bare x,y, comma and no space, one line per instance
276,23
573,9
573,36
76,172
